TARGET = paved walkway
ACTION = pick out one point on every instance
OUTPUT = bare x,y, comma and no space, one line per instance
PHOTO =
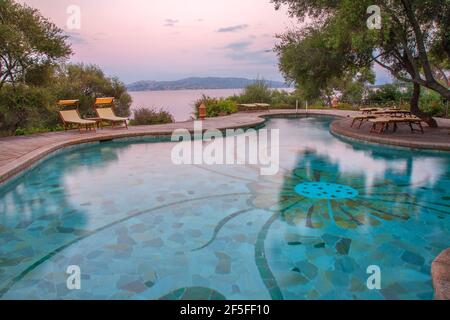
433,139
18,153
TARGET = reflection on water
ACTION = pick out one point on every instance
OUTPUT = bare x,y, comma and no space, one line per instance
142,228
370,161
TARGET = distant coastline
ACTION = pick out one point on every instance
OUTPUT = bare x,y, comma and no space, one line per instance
199,83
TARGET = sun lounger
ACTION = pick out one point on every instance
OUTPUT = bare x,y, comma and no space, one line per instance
381,125
254,107
361,119
263,106
414,123
368,110
71,118
105,112
393,113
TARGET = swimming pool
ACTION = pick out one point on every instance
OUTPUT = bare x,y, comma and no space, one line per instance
140,227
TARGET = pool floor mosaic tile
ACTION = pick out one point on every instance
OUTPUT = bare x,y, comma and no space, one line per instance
140,227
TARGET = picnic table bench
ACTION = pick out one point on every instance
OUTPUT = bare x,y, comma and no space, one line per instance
381,125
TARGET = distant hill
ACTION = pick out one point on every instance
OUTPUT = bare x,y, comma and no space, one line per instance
199,83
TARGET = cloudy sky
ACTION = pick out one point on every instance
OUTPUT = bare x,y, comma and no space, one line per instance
171,39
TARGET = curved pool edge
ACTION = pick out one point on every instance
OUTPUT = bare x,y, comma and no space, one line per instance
80,147
338,129
17,167
20,166
29,160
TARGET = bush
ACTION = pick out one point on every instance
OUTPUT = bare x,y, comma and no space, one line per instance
146,116
33,130
433,108
26,108
346,106
258,92
216,107
387,93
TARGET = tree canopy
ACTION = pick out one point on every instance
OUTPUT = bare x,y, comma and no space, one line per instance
413,42
28,41
34,74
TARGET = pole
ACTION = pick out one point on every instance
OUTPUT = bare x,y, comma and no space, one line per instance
446,110
296,106
306,107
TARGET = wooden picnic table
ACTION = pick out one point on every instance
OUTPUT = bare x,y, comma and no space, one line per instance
381,125
254,106
369,110
395,113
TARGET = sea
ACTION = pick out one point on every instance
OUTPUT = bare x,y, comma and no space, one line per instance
179,103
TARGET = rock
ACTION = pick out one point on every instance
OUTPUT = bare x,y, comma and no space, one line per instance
235,288
330,239
292,279
440,272
156,243
135,286
307,269
413,258
343,246
345,264
224,264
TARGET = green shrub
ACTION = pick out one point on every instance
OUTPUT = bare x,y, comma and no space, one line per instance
26,107
216,107
346,106
385,94
431,103
433,108
258,92
146,116
33,130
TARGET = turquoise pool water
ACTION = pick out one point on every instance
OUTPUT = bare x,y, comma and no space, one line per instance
141,228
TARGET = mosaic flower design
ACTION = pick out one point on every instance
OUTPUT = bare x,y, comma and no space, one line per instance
317,195
311,197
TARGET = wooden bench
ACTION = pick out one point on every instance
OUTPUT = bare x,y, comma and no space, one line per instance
381,125
411,121
361,120
368,110
249,107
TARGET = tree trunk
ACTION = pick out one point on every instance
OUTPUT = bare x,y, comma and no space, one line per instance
430,82
439,88
415,108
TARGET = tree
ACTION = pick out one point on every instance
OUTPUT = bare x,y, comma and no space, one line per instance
388,93
27,40
411,29
320,68
87,82
259,91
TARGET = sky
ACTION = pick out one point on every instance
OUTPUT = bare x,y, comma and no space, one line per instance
173,39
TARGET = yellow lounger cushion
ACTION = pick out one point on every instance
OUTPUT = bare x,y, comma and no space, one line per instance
72,116
100,101
108,114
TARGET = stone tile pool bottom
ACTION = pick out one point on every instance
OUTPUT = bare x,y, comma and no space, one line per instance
142,228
